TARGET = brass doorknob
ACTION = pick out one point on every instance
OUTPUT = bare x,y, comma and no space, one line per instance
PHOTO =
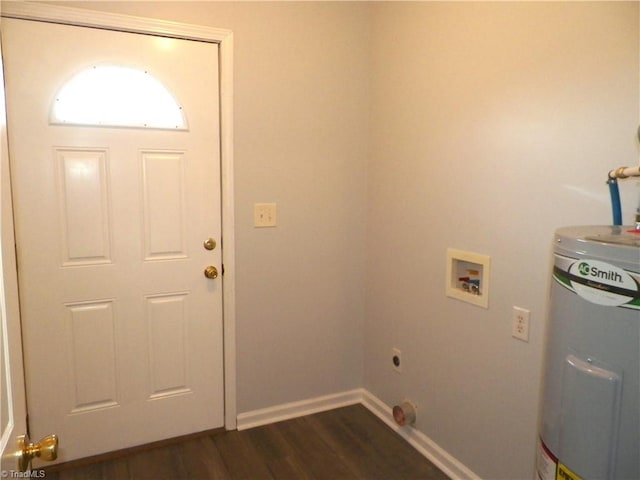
211,272
46,449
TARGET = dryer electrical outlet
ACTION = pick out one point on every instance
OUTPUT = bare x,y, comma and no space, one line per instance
396,359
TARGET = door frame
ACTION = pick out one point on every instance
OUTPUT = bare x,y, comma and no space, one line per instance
15,425
224,38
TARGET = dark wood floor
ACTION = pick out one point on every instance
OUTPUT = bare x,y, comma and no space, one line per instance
346,443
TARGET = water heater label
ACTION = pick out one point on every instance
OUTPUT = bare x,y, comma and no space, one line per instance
598,282
549,468
565,474
547,464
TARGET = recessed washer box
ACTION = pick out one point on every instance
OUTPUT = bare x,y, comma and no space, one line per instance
468,277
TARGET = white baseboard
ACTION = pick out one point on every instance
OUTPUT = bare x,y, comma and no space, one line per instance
278,413
418,440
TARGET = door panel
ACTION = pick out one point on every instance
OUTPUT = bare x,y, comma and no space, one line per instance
122,331
84,205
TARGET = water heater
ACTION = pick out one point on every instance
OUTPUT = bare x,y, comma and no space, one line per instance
590,427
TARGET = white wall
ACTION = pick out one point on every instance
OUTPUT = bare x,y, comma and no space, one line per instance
395,130
492,125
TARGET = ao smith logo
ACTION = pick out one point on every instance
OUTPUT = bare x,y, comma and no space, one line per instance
599,282
587,270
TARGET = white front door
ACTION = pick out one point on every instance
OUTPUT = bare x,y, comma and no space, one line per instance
122,330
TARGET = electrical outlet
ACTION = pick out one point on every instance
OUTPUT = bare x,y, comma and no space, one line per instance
520,323
396,360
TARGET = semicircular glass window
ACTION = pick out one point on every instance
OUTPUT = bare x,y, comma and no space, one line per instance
109,95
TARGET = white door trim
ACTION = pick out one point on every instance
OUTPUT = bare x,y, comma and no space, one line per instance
15,424
224,38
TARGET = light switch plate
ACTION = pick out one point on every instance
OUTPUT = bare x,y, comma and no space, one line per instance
264,215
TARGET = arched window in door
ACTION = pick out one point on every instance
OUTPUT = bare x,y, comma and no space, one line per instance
117,96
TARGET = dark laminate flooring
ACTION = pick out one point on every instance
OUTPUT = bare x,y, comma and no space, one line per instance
346,443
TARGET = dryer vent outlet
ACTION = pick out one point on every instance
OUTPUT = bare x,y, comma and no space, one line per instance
404,414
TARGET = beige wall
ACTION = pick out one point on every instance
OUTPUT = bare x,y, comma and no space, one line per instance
387,132
492,125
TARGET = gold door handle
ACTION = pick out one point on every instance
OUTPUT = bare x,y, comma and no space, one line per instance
211,272
46,449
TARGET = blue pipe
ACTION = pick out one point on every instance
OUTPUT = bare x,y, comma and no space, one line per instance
615,201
